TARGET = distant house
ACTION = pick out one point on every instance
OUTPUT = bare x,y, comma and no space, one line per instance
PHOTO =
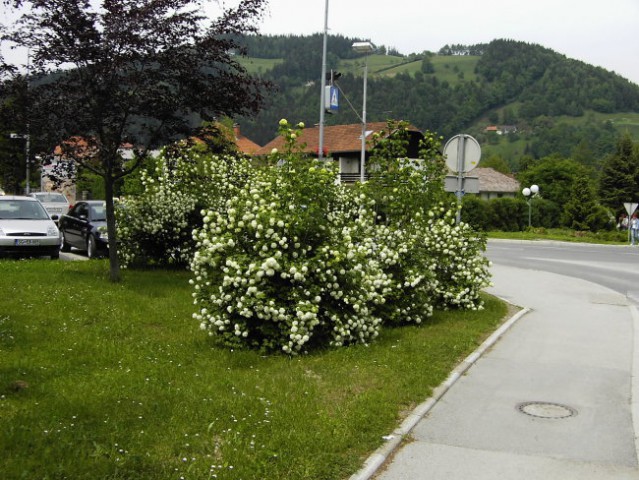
501,130
126,151
494,184
343,144
244,144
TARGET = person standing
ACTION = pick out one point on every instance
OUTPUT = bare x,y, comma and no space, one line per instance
634,229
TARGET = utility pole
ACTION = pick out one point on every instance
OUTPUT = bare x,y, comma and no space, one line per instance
320,150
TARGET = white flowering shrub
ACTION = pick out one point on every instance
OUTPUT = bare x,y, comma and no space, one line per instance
287,264
292,260
155,227
410,282
455,253
284,258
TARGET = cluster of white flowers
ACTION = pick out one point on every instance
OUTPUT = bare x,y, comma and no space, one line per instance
457,261
156,226
294,261
275,272
284,258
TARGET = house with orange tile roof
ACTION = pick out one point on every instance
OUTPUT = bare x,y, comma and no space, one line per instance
343,145
244,144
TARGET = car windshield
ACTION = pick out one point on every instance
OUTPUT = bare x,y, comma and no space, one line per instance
22,210
51,197
98,212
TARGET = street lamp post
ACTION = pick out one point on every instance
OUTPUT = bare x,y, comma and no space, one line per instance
25,137
530,193
365,48
320,150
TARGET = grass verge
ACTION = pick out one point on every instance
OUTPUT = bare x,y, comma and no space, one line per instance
565,235
116,381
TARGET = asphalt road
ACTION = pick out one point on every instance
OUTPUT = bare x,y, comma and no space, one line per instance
73,255
615,267
572,357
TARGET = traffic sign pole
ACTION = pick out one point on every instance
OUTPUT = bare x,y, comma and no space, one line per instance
461,163
462,153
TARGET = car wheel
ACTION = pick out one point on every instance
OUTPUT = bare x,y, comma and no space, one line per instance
55,255
92,247
66,246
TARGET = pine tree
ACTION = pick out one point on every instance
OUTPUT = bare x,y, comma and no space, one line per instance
619,182
582,205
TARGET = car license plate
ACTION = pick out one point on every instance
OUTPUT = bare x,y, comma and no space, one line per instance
27,242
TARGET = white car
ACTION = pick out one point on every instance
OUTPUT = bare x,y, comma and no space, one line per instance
26,229
54,202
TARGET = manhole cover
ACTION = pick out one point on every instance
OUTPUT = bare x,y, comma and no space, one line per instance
546,410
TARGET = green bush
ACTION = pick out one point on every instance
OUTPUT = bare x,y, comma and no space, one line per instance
294,261
155,226
476,212
509,214
544,213
285,258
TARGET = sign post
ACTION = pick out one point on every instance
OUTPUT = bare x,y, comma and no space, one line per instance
630,208
462,153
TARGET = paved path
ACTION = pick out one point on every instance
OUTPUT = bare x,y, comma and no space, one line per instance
572,355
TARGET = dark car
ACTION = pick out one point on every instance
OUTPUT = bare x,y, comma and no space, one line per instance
84,228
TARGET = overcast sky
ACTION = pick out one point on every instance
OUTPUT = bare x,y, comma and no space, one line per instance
601,33
598,32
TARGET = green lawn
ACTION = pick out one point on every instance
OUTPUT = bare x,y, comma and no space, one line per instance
116,381
564,235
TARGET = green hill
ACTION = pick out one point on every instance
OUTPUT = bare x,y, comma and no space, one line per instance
556,103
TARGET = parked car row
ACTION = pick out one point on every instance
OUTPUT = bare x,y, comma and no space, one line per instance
28,229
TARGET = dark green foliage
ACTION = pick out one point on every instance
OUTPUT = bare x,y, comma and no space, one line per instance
476,212
586,143
582,211
619,181
497,163
509,214
554,175
13,119
145,73
427,66
545,213
508,73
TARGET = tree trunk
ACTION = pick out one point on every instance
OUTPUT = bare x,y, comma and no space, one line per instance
114,263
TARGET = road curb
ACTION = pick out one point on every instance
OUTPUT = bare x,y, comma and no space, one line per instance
394,440
634,378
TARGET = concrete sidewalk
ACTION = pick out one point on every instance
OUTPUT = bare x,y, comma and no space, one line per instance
552,399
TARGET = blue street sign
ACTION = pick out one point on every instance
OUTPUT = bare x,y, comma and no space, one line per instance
332,99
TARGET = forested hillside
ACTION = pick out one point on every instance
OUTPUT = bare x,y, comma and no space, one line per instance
556,103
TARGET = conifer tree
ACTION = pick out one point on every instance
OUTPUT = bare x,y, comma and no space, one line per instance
619,181
578,212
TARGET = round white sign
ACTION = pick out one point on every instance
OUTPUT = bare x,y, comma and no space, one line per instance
470,154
